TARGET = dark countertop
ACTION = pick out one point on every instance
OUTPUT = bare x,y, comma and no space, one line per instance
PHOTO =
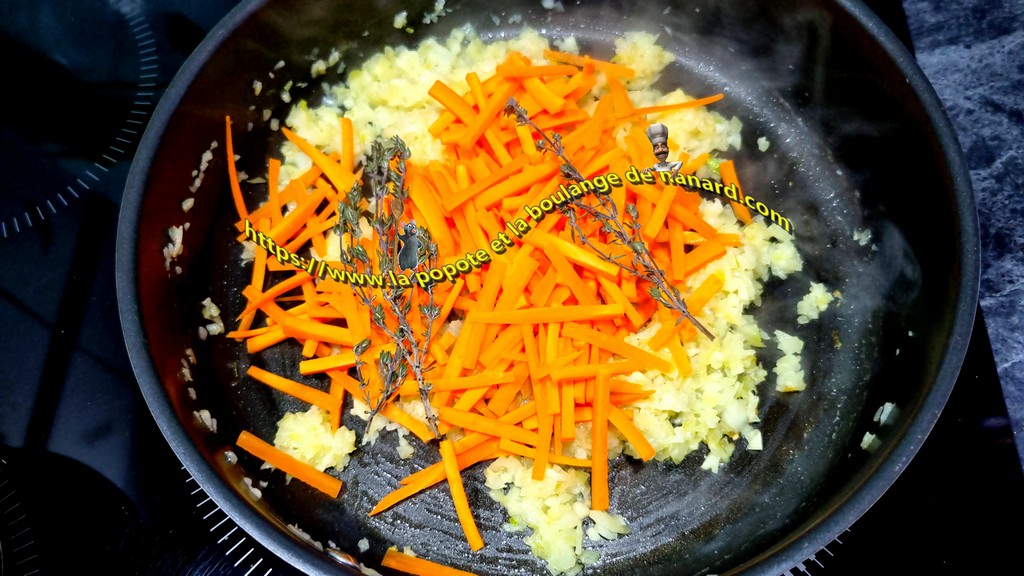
973,53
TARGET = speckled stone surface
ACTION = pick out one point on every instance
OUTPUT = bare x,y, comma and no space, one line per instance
973,53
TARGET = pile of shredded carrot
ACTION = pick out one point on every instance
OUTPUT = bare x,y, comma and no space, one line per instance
542,343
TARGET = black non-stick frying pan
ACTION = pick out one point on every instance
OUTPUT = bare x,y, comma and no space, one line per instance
858,142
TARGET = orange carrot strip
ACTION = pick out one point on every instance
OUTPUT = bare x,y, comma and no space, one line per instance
681,105
693,221
317,365
696,300
337,405
291,387
287,285
515,184
341,179
506,393
657,217
616,295
572,252
241,334
288,464
483,449
629,397
452,101
702,255
599,443
451,470
677,248
418,566
544,96
520,71
302,328
518,449
297,218
449,303
547,314
728,172
625,425
568,276
590,370
482,380
568,423
273,180
508,343
489,426
668,327
421,430
236,189
348,143
453,201
488,112
528,144
264,341
541,393
500,153
606,67
591,336
679,356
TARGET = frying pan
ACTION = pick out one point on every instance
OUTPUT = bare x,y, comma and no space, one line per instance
858,141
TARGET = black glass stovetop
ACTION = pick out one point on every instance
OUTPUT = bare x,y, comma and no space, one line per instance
86,479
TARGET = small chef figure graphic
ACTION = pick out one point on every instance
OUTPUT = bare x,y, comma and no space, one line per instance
408,256
658,135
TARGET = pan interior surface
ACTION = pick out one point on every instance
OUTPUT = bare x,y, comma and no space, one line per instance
852,150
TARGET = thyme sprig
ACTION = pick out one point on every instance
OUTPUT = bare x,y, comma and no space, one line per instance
386,168
607,214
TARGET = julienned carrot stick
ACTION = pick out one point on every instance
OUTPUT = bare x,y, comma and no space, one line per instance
617,345
488,112
668,107
317,365
291,387
518,449
702,255
478,423
348,142
633,435
236,189
452,101
728,172
419,429
541,391
526,71
418,566
288,464
273,178
599,443
573,253
419,481
302,328
451,470
590,370
261,342
339,177
276,290
454,201
709,287
483,380
548,314
606,67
